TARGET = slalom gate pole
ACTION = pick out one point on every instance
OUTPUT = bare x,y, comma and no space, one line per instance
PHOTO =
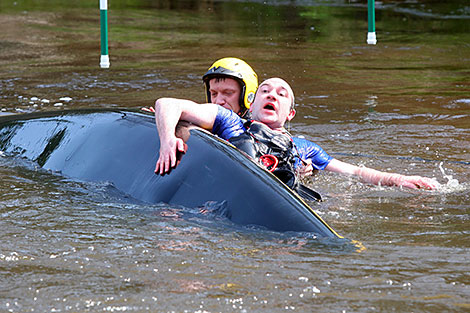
371,38
104,62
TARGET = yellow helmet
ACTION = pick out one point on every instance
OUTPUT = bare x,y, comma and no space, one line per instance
240,71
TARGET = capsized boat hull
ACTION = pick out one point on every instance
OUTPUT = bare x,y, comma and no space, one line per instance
122,147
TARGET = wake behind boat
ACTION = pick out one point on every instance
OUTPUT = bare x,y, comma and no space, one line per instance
121,147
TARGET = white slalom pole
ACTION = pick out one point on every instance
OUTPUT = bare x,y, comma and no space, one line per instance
104,62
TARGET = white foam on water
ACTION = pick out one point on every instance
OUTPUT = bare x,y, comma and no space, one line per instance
452,184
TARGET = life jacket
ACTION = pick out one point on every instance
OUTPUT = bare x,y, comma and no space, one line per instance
276,152
272,149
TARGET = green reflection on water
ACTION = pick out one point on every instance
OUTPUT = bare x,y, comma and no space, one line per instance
422,47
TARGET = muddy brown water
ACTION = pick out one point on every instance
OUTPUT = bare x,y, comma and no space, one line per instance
402,105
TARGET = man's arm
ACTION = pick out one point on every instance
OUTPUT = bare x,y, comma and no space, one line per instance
372,176
168,112
321,160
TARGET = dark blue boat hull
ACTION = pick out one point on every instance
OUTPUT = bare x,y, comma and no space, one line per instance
121,147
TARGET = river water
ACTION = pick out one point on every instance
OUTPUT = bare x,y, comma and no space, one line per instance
402,105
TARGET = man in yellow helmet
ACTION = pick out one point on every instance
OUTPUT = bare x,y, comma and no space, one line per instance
231,83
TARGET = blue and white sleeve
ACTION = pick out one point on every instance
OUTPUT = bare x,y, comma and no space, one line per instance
310,150
227,124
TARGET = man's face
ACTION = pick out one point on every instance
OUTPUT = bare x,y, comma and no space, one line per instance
273,103
226,93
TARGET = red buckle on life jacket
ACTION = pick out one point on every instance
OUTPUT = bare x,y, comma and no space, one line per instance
269,161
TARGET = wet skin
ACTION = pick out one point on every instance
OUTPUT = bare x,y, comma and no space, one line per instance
226,93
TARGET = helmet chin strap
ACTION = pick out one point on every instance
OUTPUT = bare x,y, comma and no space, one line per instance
242,112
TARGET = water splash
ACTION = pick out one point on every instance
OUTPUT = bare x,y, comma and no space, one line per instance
452,184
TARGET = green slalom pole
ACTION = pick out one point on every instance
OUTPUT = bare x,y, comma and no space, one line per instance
104,63
371,38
